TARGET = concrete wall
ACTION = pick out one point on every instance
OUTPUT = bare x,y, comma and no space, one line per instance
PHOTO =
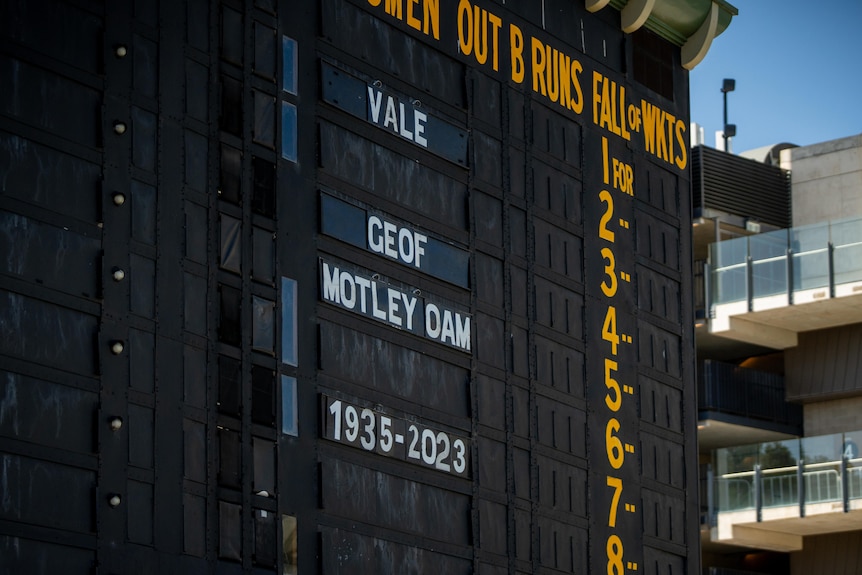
836,554
826,364
834,416
826,180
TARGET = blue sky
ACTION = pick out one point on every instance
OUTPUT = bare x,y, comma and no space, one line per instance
798,71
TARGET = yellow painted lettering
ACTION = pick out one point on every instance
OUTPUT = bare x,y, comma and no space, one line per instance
516,50
393,8
539,67
597,97
412,20
465,27
622,109
664,141
564,69
577,104
615,127
682,159
432,18
497,23
605,118
552,73
605,169
480,21
650,122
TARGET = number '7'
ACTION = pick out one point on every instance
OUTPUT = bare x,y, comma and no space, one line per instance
617,484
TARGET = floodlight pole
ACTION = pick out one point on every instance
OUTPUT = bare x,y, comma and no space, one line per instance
728,85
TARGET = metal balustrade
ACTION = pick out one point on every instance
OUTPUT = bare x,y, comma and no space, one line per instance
794,473
738,492
822,486
753,394
786,266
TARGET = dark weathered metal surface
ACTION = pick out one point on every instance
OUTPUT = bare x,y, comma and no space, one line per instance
503,174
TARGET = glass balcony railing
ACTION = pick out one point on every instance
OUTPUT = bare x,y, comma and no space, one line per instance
724,388
786,266
797,472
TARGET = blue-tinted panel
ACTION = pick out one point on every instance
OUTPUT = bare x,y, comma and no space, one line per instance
362,228
730,285
343,221
811,270
768,245
288,131
769,277
288,406
729,252
289,66
345,91
288,321
395,113
846,232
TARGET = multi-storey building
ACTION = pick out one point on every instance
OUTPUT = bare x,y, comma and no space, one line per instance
780,358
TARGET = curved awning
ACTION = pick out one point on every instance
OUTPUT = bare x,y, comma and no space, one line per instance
691,24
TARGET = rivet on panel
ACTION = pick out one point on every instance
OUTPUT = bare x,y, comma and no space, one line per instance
119,199
119,128
116,423
114,501
120,51
117,347
119,275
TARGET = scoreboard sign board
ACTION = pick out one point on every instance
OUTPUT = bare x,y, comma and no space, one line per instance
527,162
346,286
398,115
375,431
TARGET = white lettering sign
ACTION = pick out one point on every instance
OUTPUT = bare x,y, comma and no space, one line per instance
407,122
402,244
375,299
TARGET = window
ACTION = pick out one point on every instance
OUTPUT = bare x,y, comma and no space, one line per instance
288,406
263,396
289,549
290,86
288,322
652,59
262,324
289,65
288,132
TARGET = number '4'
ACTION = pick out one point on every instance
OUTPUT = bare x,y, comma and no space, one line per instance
609,329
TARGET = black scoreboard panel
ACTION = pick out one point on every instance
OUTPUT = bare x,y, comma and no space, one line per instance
570,200
343,286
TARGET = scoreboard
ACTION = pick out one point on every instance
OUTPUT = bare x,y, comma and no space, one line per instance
503,269
346,286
